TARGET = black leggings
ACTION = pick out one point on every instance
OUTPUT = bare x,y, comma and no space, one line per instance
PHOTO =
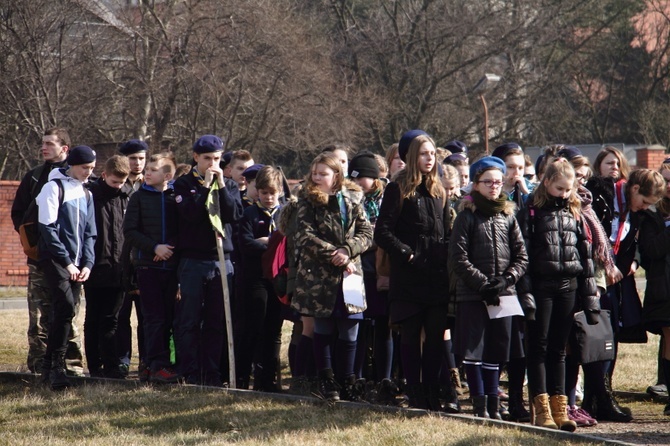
547,339
424,367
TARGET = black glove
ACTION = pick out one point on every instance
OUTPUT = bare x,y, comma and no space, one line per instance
491,296
592,317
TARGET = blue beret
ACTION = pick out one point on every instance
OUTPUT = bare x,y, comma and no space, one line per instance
251,171
133,146
455,157
225,159
569,152
80,155
208,144
456,146
406,140
501,150
486,163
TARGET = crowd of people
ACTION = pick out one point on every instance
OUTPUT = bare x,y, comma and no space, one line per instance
409,279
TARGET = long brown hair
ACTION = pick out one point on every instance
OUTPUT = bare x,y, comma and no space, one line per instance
328,159
558,168
624,168
410,178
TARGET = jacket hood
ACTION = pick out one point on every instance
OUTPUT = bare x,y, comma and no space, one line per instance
60,175
285,221
318,198
467,203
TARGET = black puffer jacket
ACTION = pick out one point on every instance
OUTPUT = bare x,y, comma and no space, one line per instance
482,248
151,219
557,249
416,226
110,207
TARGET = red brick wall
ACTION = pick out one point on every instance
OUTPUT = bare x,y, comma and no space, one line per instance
13,267
651,157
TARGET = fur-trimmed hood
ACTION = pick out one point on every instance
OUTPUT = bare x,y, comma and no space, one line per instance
467,203
286,218
318,198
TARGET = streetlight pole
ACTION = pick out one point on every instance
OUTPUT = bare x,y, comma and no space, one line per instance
486,83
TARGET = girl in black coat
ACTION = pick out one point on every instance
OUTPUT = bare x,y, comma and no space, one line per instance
560,273
488,256
654,245
411,228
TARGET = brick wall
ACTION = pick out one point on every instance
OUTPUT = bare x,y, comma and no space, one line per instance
651,157
13,268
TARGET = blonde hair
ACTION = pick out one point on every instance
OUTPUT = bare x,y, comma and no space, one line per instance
557,169
450,172
383,167
330,160
410,178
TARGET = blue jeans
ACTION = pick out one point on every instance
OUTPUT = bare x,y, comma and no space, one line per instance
199,326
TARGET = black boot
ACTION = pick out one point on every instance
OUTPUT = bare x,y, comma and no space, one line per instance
328,388
665,365
45,370
479,406
450,396
417,398
517,411
389,394
432,392
608,386
57,377
492,406
608,410
352,389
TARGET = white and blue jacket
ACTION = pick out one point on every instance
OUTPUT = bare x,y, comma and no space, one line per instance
67,229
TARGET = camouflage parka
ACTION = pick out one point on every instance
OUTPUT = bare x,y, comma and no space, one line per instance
320,231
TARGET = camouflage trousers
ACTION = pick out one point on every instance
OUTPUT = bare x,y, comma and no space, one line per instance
39,320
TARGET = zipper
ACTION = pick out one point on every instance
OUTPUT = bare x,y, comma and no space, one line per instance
560,232
495,247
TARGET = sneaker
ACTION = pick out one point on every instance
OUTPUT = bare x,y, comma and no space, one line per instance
658,390
164,376
587,416
580,417
502,395
124,368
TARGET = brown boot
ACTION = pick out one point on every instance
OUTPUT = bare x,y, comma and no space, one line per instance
540,412
559,412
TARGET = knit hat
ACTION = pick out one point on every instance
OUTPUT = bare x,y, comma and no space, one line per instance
501,150
364,165
456,157
133,146
569,152
251,171
406,140
486,163
80,155
456,146
208,144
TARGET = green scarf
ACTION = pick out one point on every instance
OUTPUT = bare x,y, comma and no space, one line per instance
489,207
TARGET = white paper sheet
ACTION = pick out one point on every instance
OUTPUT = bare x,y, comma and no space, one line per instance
509,306
352,287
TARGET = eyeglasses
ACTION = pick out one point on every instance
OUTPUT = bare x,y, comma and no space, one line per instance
491,183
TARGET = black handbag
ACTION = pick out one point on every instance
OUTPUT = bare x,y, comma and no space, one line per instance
591,343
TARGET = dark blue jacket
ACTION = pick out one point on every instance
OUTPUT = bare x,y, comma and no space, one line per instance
254,224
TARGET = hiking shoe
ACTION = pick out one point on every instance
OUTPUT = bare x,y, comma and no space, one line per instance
164,376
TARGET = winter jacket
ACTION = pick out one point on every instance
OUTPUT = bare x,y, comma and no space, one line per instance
110,206
603,206
287,223
482,248
197,239
654,245
151,219
254,224
415,226
67,228
558,252
320,232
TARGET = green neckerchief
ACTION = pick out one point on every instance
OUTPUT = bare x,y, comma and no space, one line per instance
489,207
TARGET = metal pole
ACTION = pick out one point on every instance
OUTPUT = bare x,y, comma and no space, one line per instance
226,310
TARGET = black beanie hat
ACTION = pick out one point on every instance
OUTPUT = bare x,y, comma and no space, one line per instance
80,155
364,165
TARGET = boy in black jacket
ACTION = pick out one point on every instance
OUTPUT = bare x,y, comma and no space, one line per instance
200,334
151,228
104,294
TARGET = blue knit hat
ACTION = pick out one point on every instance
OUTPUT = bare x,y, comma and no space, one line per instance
569,152
501,150
80,155
208,144
456,146
251,171
486,163
133,146
406,140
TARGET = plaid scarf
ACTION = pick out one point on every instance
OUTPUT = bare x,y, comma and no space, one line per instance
371,205
601,245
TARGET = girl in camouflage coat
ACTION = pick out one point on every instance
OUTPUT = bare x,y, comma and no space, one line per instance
332,233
